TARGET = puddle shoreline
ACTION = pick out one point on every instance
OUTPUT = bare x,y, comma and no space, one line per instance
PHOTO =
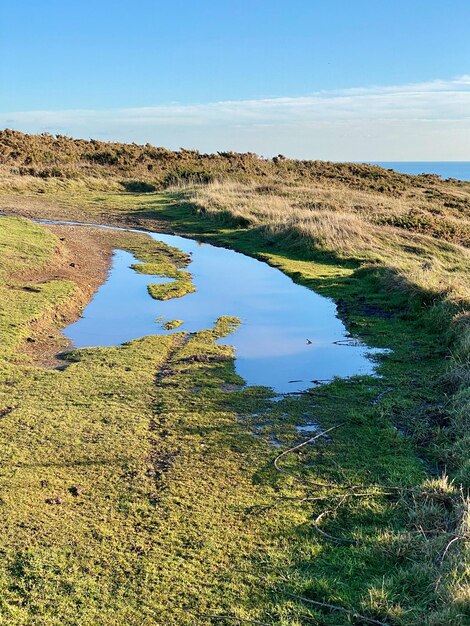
289,338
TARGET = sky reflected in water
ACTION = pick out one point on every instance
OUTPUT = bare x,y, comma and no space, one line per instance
277,316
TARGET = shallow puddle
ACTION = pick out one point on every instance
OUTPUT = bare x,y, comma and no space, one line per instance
289,336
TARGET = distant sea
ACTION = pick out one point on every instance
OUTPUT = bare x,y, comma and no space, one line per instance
446,169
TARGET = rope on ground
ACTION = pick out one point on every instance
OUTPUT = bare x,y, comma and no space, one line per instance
327,535
297,447
444,554
351,493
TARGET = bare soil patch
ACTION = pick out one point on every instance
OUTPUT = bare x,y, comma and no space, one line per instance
83,256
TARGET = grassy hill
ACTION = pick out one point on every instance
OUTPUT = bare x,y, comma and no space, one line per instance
134,489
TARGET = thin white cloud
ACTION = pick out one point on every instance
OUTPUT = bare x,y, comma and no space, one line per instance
422,121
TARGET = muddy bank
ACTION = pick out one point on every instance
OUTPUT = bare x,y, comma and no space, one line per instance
83,258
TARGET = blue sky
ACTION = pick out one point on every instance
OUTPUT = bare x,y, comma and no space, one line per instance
344,79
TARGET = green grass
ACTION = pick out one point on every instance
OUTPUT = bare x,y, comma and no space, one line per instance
168,264
138,484
24,246
181,286
172,324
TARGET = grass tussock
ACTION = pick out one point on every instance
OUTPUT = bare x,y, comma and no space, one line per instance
181,286
169,265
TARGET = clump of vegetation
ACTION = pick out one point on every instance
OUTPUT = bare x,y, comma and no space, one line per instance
172,324
168,264
177,288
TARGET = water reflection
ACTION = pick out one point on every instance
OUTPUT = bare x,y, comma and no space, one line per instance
279,318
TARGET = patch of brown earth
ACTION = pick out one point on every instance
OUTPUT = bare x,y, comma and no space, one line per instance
37,207
83,256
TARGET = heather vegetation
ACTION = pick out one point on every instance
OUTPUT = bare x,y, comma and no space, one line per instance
140,484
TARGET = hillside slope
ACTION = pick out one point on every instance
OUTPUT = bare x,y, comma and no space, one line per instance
392,251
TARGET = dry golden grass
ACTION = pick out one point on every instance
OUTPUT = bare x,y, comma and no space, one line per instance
11,183
348,223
